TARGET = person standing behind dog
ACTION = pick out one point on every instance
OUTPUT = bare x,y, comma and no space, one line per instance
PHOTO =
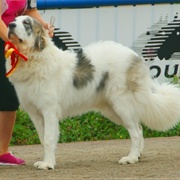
9,10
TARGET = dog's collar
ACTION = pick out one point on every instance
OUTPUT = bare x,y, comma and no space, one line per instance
14,54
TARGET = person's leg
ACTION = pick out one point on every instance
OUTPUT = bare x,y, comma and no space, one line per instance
7,120
8,106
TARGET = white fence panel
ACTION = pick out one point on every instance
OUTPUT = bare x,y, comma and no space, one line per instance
133,26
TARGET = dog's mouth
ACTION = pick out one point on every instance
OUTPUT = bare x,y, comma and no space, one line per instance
14,38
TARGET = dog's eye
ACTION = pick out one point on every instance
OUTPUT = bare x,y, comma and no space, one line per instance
26,22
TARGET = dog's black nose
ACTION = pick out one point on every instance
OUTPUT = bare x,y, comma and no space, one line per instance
12,25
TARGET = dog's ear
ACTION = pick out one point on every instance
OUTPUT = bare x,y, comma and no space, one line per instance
40,35
39,44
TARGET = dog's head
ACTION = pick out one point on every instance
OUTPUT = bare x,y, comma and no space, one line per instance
27,34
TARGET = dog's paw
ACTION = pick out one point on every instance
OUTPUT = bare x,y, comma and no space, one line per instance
44,165
128,160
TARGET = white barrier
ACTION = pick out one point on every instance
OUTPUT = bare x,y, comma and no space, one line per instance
153,31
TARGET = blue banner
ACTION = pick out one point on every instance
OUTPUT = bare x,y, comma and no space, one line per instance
51,4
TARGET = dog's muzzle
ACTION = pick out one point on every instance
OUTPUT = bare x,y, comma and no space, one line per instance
12,25
11,30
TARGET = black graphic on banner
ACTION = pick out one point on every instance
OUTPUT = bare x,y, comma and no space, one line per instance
161,42
64,40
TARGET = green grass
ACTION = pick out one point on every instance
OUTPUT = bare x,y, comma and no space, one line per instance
87,127
24,131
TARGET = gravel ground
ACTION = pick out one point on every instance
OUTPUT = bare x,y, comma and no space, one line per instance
98,160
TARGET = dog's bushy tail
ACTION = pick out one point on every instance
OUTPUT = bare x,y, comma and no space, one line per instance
161,107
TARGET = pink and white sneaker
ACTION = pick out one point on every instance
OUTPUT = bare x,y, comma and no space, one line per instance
8,159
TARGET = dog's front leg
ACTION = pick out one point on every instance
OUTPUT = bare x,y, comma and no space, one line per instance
51,134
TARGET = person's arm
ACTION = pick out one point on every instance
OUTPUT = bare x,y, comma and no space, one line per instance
3,29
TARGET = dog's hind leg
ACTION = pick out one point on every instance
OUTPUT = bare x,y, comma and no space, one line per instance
137,143
130,121
135,132
51,135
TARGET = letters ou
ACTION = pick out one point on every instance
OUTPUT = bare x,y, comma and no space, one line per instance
167,74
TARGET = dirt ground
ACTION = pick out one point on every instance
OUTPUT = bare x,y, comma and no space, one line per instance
98,160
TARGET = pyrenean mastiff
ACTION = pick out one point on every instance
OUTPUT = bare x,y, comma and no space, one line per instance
104,76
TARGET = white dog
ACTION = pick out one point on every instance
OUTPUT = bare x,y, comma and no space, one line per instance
103,76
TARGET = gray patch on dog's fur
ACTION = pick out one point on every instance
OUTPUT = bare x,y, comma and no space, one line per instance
102,83
39,36
28,26
83,71
134,73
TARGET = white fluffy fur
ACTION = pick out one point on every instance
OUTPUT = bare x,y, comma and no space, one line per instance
44,85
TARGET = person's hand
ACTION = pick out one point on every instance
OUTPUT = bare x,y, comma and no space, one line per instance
50,29
7,46
50,26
